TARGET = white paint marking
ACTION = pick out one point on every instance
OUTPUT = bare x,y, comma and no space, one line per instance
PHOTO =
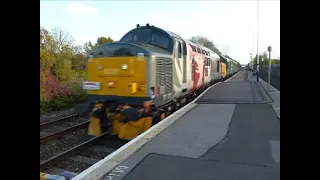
275,150
158,127
276,108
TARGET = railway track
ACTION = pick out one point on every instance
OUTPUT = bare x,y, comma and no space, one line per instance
63,132
82,156
61,126
65,145
57,121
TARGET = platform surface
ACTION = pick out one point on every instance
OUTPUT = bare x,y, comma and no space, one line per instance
233,132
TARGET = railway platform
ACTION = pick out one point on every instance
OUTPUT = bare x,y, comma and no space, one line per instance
231,131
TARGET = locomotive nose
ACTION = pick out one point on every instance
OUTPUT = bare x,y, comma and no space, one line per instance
117,71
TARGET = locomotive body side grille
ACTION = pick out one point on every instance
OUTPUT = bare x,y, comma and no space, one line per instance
164,73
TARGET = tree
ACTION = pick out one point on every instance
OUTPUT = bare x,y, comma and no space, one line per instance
87,47
203,41
61,57
64,53
100,40
47,49
79,59
103,40
63,39
265,60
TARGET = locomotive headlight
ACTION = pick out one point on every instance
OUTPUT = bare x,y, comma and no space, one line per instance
110,84
100,67
124,66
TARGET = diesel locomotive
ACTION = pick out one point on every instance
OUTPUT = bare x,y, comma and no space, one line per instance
145,76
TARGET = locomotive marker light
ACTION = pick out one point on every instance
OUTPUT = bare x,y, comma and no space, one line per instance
269,70
140,56
124,66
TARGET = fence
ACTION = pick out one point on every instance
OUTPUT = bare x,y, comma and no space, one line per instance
275,74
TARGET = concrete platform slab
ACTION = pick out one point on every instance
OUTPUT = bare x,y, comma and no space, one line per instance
250,150
190,136
252,132
160,167
239,90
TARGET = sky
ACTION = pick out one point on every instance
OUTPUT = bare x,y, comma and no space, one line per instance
230,24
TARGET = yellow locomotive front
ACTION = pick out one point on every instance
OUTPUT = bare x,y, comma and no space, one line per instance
117,89
117,72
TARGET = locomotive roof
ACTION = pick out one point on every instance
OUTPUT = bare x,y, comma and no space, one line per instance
192,43
168,33
172,34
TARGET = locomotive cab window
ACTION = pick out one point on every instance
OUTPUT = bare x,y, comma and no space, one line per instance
112,50
142,35
127,38
159,39
147,36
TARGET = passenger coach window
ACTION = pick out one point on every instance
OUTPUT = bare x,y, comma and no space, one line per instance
142,35
159,39
208,62
193,49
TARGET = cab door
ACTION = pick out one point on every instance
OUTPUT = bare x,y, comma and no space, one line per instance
181,56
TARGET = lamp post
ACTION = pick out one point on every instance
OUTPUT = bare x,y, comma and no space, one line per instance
252,53
251,64
258,42
269,71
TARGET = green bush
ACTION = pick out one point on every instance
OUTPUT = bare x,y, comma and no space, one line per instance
43,104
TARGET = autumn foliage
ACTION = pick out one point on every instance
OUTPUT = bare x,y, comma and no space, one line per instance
62,69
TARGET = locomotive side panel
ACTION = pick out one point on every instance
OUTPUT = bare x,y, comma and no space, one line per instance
223,70
216,69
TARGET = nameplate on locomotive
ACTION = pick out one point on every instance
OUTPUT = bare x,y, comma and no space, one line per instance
111,71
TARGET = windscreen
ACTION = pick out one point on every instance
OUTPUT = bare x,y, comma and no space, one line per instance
147,36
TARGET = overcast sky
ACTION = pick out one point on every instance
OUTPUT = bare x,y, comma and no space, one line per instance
226,22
